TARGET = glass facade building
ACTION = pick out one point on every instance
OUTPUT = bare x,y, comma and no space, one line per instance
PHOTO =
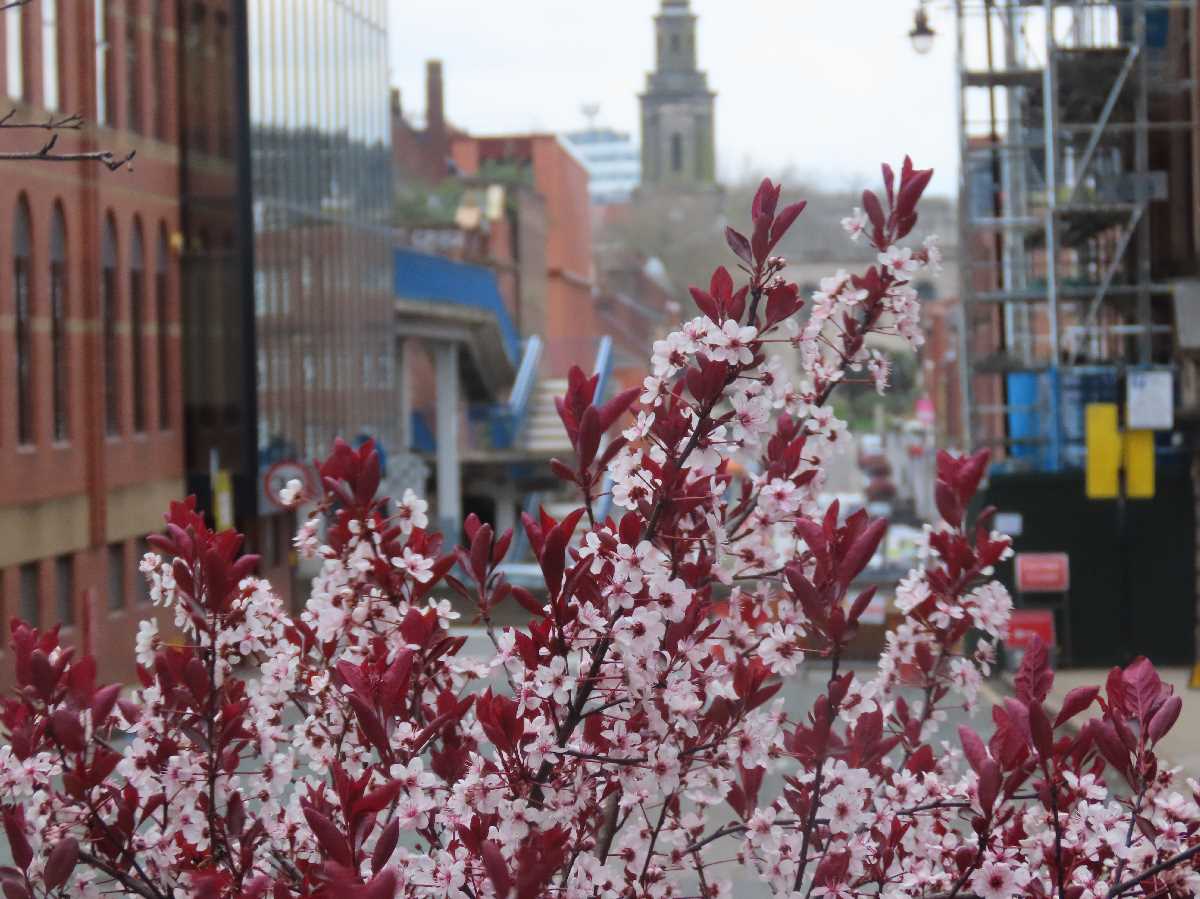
287,208
613,161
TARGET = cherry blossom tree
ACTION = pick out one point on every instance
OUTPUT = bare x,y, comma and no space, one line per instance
630,739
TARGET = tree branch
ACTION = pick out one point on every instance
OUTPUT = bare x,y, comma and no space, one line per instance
104,157
70,122
99,864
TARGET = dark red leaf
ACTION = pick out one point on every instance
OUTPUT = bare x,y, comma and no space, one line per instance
740,245
1164,719
386,845
493,862
861,551
1075,702
589,437
18,843
60,863
705,304
973,748
784,221
1040,731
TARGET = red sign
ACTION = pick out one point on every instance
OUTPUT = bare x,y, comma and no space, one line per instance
1043,573
1026,624
279,475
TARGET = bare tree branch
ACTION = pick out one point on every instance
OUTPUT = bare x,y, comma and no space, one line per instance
54,124
12,4
72,122
104,157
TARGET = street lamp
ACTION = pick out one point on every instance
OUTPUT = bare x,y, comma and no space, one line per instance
921,34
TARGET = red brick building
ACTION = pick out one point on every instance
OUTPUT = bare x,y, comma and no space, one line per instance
91,448
569,327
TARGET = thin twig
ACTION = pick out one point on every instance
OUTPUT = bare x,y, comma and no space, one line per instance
607,759
100,865
71,122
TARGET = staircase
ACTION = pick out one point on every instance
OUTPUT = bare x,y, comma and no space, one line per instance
543,433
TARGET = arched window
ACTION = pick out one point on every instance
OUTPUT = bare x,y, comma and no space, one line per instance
676,152
137,325
58,323
133,75
23,315
108,313
50,86
14,51
160,319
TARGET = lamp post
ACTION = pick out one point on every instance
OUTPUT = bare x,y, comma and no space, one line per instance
922,34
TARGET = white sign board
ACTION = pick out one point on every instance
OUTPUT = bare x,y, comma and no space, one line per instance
1149,400
1010,523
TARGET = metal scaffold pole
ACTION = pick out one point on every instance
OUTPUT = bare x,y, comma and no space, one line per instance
1141,166
1049,107
964,271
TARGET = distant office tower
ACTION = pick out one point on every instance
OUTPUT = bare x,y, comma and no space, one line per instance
613,163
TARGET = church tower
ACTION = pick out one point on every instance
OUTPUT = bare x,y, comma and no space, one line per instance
677,107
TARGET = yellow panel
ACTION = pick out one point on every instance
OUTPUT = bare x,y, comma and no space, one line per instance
1103,450
223,500
1139,464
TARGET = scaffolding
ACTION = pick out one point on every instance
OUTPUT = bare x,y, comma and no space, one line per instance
1074,122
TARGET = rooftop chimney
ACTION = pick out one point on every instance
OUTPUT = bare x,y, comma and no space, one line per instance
435,113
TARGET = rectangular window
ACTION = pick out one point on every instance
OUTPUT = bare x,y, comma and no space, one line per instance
158,79
104,103
112,406
137,338
116,576
14,52
64,589
31,608
133,79
50,96
24,350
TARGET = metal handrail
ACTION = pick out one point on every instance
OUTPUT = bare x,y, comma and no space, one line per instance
603,366
526,380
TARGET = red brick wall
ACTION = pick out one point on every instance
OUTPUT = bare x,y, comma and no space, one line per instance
112,477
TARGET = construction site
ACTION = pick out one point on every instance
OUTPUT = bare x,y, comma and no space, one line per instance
1078,243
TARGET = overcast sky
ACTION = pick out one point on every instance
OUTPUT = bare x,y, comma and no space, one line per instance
827,88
